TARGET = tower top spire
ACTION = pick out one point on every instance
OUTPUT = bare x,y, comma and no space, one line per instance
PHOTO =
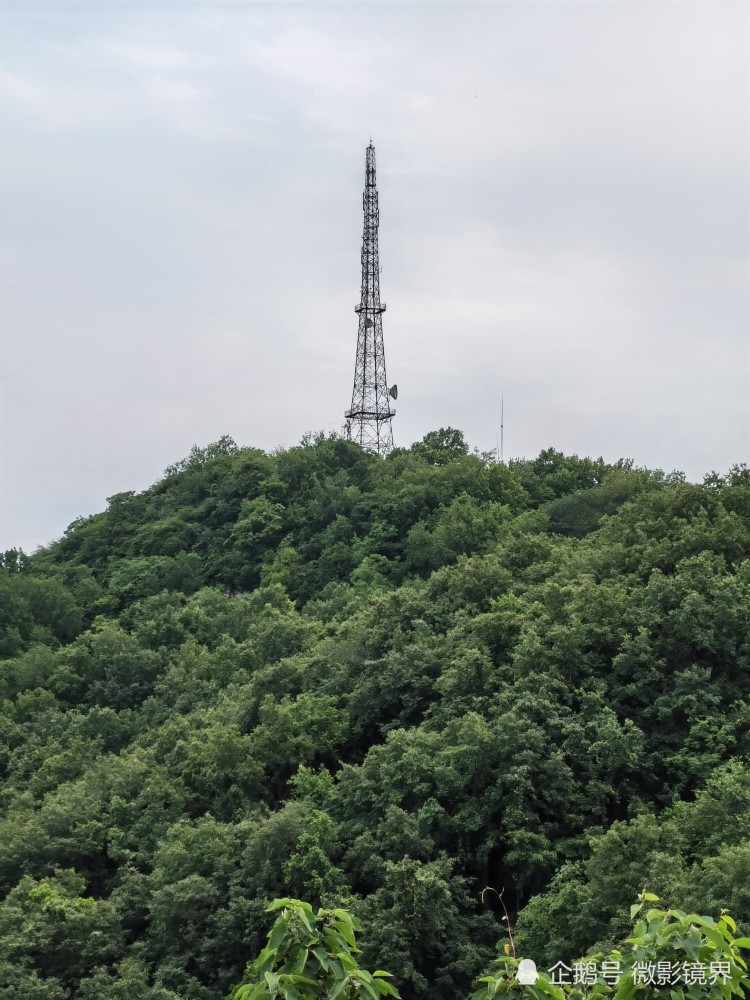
368,421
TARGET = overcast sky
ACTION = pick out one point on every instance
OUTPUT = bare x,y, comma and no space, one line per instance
564,219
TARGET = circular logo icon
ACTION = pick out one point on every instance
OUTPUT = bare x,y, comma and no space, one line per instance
527,973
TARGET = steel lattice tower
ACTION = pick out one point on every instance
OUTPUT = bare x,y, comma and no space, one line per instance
368,422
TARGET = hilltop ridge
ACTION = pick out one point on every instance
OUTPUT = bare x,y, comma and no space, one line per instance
384,684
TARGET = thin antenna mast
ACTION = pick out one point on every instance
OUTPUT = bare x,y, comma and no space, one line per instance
502,415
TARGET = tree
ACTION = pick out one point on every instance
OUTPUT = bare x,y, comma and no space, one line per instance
440,447
311,955
671,952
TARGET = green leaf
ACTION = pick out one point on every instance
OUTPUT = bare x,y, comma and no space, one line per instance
277,932
742,942
266,955
347,918
346,960
300,961
650,897
715,936
305,920
547,987
332,941
370,987
280,904
338,989
344,928
669,930
386,989
692,945
322,957
299,980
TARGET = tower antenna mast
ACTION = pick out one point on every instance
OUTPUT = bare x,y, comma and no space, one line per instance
368,420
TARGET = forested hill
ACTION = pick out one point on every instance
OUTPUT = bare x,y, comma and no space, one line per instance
382,684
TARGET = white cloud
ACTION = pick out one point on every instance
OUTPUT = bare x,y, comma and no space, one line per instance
564,216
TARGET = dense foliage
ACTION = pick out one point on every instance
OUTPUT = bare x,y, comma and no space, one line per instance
670,953
379,685
314,955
